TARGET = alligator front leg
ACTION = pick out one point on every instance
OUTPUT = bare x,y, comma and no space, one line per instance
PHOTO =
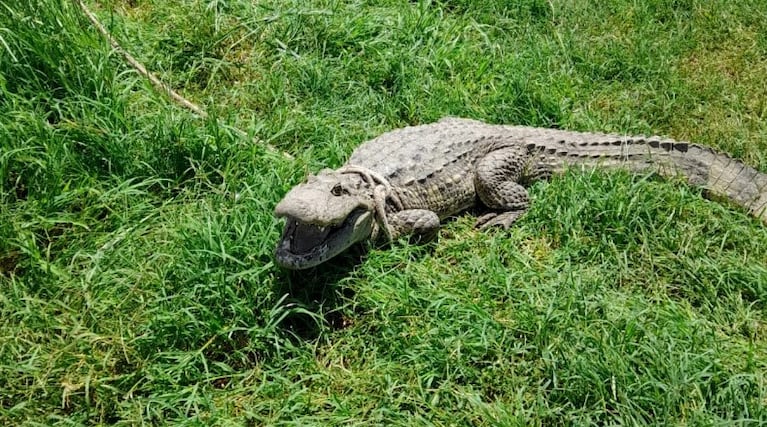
495,180
420,224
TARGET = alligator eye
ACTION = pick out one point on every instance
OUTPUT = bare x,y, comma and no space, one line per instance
337,190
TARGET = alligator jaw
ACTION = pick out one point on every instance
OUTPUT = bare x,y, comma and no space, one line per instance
304,245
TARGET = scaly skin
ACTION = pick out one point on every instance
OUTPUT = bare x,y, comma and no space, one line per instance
407,180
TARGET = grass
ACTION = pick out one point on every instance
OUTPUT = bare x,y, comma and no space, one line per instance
137,284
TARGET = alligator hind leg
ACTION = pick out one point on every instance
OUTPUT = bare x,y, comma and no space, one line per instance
513,204
496,184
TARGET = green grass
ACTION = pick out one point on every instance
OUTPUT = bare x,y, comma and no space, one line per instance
137,284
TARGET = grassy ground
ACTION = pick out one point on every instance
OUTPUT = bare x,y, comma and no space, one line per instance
136,276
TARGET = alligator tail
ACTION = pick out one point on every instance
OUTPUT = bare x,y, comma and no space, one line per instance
724,177
719,174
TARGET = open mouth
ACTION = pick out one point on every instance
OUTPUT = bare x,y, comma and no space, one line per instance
303,237
305,245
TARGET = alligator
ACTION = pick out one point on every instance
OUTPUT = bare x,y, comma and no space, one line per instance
403,183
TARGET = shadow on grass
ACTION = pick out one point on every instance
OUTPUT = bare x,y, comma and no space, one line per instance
325,293
322,291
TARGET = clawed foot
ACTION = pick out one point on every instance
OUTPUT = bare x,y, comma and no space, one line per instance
496,219
420,224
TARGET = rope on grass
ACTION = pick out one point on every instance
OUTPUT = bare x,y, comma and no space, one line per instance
156,82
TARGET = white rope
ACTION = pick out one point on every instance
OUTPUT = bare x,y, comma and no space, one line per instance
382,191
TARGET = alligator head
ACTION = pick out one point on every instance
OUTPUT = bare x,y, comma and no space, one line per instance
324,216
